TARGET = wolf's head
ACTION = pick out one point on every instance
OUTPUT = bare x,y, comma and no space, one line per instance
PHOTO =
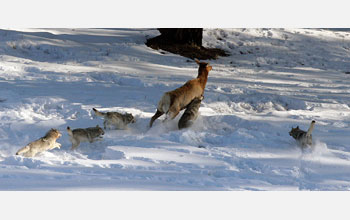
294,132
100,130
129,118
53,133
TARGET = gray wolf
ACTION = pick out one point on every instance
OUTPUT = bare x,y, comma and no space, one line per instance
90,134
191,113
174,101
303,138
48,142
115,119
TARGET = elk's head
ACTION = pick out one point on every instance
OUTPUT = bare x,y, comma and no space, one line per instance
203,67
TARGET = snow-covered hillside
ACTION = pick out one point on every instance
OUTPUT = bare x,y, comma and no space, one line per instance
274,79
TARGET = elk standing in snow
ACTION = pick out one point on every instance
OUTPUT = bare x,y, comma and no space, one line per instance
176,100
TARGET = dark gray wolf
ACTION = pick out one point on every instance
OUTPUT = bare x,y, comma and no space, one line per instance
303,138
78,135
115,119
191,113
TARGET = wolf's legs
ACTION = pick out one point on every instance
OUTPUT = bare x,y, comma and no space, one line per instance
92,140
75,144
105,125
97,139
56,145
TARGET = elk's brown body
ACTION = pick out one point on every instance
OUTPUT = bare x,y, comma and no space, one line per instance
174,101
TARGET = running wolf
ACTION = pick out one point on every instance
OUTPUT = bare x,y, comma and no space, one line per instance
78,135
48,142
302,137
190,114
115,119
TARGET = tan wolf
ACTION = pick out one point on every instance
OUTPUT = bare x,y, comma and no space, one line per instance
115,119
174,101
303,138
90,134
48,142
191,113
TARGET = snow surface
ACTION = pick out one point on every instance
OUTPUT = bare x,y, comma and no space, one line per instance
274,79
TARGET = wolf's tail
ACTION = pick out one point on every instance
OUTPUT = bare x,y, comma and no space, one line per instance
98,113
70,133
311,128
23,150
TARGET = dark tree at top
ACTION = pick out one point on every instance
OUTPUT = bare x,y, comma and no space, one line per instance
190,36
184,41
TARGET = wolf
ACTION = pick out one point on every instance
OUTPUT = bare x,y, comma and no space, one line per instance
90,134
48,142
190,114
115,119
303,138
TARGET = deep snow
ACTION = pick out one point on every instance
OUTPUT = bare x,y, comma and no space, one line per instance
274,79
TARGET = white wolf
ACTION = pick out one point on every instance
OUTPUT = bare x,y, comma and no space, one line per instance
48,142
